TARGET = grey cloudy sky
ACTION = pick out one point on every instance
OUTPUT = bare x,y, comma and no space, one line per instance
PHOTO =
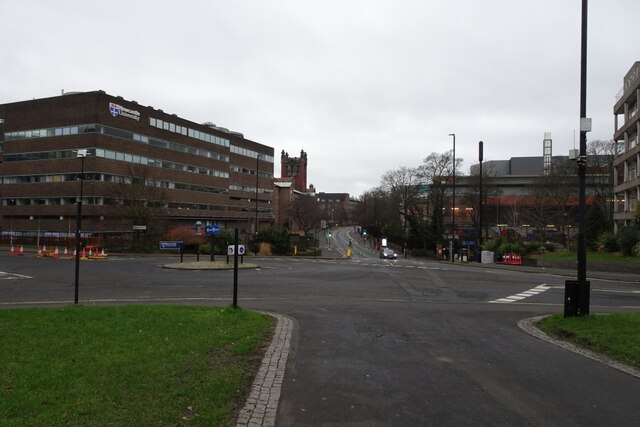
362,86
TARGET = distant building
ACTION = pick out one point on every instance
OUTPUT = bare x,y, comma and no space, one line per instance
189,174
627,161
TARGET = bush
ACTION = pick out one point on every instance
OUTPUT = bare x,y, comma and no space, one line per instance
627,238
610,243
507,248
549,247
421,253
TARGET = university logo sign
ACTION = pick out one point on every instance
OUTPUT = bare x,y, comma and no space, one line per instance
118,110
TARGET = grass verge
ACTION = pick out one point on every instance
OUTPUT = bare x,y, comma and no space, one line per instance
608,257
128,365
616,335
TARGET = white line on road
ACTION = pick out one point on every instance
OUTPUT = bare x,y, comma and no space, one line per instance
522,295
12,276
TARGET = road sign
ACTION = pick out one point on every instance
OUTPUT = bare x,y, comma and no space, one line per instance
231,249
170,244
139,227
212,230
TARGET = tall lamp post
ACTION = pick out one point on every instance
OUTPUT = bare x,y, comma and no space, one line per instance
453,207
82,154
256,234
480,156
577,293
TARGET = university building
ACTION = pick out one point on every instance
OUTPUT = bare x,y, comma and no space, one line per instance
627,160
140,166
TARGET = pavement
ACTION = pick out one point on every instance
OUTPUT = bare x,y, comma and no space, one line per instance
262,404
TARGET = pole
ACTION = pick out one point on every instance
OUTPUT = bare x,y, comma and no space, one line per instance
78,236
480,156
256,236
235,269
583,285
453,208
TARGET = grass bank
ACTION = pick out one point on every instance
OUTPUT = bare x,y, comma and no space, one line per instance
604,257
129,365
616,335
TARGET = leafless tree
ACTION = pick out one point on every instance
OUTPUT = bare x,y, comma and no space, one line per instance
306,212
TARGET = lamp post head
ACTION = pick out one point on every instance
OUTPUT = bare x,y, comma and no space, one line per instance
81,152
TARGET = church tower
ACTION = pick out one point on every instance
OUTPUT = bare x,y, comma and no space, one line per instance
296,168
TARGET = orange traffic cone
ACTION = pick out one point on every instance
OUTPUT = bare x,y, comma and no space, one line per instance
12,251
21,250
56,253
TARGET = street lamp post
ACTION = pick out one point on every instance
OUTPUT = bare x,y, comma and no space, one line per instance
480,156
577,293
453,208
82,154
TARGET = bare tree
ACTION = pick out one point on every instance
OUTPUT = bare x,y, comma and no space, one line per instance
402,187
554,197
600,173
140,200
306,212
436,172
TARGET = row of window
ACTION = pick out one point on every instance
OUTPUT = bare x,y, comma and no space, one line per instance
249,189
192,133
118,133
156,142
249,171
116,155
105,201
102,177
250,153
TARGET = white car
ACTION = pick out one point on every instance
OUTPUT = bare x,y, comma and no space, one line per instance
386,253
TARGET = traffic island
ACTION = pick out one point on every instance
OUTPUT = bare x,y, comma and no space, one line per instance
208,265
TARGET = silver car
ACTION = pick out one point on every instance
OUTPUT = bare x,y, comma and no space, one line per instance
386,253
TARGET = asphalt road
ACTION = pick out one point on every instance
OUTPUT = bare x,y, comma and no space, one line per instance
379,342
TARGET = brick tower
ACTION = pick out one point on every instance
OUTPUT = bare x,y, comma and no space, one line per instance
296,168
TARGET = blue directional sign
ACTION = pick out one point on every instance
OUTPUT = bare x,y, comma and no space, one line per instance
170,245
212,230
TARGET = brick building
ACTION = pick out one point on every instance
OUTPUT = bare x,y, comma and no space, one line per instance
141,165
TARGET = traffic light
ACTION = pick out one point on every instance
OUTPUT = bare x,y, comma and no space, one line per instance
329,234
364,233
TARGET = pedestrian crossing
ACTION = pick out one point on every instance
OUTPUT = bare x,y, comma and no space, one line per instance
522,295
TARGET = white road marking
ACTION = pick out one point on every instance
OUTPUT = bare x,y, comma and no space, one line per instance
522,295
12,276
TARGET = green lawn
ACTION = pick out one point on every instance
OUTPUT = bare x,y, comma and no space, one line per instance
129,365
616,335
608,257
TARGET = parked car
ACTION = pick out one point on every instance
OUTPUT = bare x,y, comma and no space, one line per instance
386,253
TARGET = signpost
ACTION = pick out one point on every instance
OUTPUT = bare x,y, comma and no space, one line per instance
172,245
213,231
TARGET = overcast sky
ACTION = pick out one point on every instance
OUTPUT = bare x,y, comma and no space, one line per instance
362,86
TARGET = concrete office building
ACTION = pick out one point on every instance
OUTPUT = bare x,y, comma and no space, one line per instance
143,167
627,161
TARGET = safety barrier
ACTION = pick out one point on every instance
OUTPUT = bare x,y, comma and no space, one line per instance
511,259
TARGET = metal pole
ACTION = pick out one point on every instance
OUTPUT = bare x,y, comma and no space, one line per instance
480,155
583,285
453,208
78,227
235,269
